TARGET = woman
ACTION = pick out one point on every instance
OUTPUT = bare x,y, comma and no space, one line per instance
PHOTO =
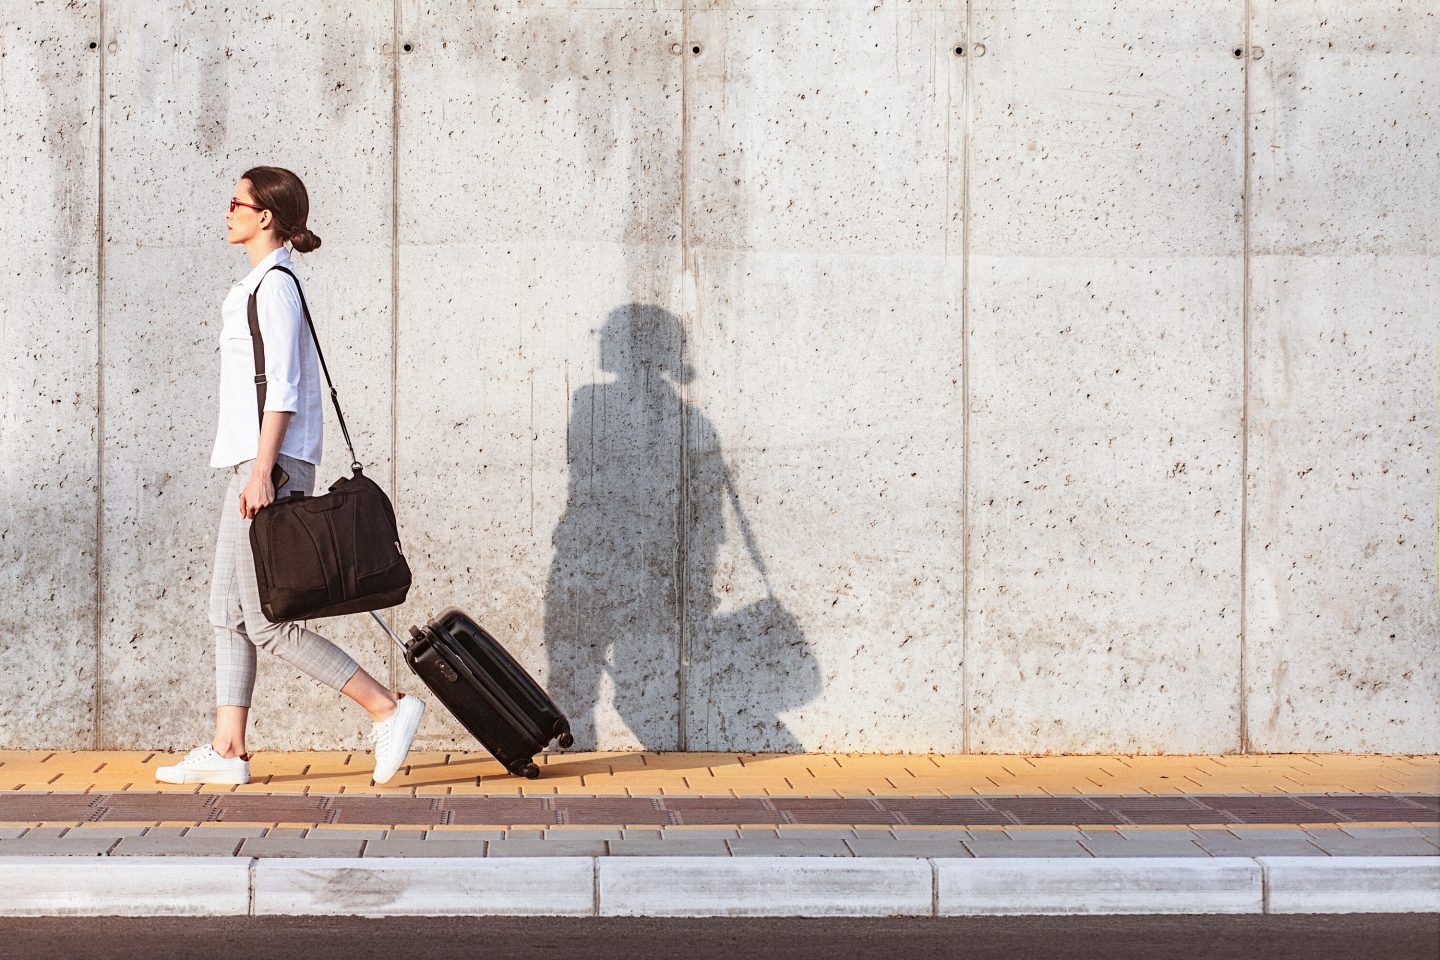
269,207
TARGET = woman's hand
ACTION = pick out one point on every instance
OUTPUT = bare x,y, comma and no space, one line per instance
259,492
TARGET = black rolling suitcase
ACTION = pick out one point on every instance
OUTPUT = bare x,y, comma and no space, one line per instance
487,691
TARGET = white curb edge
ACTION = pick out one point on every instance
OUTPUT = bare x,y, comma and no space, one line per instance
1351,884
711,886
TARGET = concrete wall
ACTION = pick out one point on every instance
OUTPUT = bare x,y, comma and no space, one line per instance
1073,368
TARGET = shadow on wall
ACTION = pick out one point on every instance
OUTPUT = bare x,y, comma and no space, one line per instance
612,599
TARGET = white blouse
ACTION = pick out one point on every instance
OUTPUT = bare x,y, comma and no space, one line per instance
292,368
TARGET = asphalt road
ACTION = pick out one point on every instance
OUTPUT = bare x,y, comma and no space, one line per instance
1351,937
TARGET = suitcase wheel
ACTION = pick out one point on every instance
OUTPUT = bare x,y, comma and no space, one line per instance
529,771
565,740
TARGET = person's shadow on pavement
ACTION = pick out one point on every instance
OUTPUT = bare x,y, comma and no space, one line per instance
613,600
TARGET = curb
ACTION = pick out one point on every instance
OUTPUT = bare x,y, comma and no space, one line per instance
712,886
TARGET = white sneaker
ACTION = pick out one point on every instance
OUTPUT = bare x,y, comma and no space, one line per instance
205,765
392,737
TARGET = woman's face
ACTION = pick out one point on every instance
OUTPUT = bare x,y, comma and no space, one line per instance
244,222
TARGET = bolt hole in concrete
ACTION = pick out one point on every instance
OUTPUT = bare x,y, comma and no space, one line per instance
408,47
675,48
977,49
93,44
695,49
1236,53
960,51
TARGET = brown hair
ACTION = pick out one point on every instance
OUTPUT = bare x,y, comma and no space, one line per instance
283,194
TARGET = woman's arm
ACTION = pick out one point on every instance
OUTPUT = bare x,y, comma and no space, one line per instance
282,324
259,492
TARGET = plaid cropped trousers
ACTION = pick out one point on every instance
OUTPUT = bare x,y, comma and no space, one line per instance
240,625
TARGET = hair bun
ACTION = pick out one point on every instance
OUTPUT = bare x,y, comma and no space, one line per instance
304,241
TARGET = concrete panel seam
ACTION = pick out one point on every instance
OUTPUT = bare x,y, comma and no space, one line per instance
1244,718
1264,884
682,506
97,733
965,131
934,888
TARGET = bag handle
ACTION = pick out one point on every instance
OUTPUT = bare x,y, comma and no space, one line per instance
745,530
259,351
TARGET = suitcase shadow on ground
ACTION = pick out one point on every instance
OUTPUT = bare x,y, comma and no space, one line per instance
632,563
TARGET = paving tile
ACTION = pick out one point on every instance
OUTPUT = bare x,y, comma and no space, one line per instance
1045,833
465,836
817,833
41,833
268,846
240,833
493,810
276,832
641,833
1026,848
787,847
1383,833
424,848
343,833
582,833
408,834
57,847
106,830
922,835
669,847
348,808
1272,833
157,806
1342,845
10,833
1156,845
168,846
1223,844
868,847
700,833
546,848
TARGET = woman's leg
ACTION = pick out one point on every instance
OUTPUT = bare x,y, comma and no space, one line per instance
370,694
230,731
234,653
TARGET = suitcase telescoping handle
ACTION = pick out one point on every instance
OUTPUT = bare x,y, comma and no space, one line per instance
398,642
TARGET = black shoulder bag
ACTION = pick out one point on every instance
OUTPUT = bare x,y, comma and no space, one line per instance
332,554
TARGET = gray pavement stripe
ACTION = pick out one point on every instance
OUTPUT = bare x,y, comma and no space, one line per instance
546,848
299,847
177,846
424,848
789,848
668,848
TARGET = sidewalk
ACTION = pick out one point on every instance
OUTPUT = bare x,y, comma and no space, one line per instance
728,833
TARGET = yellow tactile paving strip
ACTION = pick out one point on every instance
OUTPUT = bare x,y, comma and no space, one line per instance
738,775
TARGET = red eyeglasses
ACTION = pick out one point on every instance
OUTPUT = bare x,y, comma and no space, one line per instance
241,203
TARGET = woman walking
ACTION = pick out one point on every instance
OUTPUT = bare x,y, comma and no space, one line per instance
269,207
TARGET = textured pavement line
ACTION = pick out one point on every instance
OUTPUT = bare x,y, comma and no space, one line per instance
1012,811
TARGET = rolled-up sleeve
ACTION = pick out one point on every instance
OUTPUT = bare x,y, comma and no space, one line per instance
282,324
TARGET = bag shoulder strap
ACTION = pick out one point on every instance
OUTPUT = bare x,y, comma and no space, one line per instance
259,345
